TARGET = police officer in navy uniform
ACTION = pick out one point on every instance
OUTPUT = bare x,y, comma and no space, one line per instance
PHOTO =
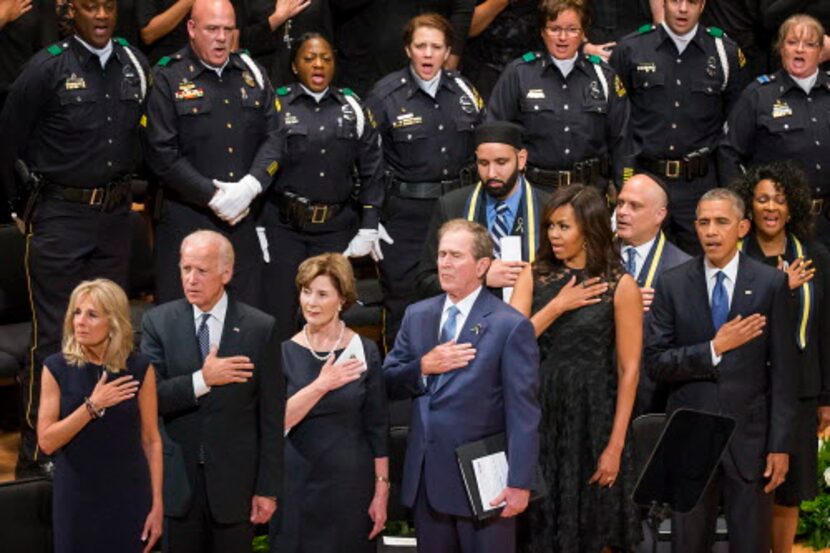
572,107
72,116
682,80
214,140
310,208
786,116
426,117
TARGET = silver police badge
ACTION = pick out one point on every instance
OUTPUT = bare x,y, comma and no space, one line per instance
348,112
467,105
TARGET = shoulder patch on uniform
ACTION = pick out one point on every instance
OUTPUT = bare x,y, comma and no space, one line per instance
55,49
647,28
619,87
741,58
530,56
164,61
595,59
716,32
277,105
122,41
283,91
764,79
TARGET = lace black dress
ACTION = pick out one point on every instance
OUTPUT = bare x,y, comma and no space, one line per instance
578,395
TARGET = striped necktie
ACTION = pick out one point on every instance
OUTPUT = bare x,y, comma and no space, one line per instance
631,261
499,229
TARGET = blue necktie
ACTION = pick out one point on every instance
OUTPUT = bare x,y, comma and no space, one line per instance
631,262
447,334
203,336
499,229
720,301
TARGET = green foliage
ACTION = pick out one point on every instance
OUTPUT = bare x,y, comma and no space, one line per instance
814,520
260,544
399,528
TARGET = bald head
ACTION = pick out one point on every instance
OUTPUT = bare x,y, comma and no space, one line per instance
210,27
641,209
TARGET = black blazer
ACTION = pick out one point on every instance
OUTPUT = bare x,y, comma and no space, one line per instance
456,205
240,425
754,384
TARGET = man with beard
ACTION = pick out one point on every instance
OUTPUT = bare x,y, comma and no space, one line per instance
503,201
72,116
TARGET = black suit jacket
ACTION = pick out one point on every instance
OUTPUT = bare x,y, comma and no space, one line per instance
239,425
754,383
456,205
651,398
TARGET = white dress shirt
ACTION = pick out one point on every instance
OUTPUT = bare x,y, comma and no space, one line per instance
681,41
806,83
640,255
102,53
731,275
464,306
430,86
215,324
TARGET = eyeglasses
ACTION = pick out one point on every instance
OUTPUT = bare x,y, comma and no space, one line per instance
567,31
779,199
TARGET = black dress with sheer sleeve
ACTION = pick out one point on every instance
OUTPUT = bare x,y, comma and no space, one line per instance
578,394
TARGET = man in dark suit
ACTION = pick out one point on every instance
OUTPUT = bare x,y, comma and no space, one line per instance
222,398
720,336
641,209
501,160
472,364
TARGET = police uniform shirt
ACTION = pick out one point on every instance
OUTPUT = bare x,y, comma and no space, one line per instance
678,101
777,120
425,139
71,121
201,126
324,140
565,119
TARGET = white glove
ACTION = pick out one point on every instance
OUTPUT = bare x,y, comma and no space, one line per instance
362,243
233,198
367,242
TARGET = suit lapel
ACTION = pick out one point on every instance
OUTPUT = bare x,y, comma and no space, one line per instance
231,331
742,294
699,297
474,327
184,331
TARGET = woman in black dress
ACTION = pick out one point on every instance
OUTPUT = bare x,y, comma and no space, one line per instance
777,198
98,416
588,315
336,460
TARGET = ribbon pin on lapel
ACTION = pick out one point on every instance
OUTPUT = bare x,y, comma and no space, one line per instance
476,329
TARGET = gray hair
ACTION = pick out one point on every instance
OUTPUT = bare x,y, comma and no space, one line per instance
226,255
724,194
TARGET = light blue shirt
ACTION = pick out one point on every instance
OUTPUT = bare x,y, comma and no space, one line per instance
513,202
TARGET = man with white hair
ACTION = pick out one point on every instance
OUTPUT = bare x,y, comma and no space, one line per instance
222,399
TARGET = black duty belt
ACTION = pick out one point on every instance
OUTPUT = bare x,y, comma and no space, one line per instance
422,190
689,167
587,172
299,211
107,198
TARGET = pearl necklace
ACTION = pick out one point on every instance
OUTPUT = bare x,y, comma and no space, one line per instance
311,347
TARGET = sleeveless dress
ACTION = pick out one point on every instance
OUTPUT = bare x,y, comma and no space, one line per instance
102,492
578,390
330,459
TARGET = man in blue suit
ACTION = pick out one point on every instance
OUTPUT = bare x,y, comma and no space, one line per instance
721,337
642,206
471,362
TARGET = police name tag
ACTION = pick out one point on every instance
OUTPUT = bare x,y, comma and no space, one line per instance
536,94
647,67
781,109
75,83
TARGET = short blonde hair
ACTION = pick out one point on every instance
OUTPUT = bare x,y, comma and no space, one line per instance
337,268
111,300
799,20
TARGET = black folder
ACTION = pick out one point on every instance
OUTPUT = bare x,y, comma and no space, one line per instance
467,453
